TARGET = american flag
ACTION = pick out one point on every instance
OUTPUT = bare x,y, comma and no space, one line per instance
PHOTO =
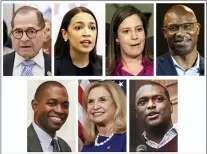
81,87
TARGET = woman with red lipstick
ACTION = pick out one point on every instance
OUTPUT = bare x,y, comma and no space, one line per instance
104,104
128,51
75,47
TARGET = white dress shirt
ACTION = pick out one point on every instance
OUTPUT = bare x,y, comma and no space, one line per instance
38,69
44,138
193,71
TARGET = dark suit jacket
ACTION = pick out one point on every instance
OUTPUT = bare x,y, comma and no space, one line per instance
33,143
64,67
165,66
9,63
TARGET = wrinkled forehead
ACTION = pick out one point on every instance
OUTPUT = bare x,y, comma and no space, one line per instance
149,91
179,15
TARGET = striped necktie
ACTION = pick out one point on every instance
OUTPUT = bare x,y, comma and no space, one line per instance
54,143
27,66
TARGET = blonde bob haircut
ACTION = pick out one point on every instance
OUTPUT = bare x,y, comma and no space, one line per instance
119,100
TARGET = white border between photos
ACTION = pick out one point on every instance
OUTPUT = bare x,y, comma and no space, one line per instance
12,109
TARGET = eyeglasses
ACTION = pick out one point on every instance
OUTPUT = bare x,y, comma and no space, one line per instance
31,33
186,27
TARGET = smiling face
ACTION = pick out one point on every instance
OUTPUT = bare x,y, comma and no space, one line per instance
152,106
26,47
100,106
81,33
131,36
52,109
184,40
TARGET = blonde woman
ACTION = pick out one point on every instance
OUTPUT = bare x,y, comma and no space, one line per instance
104,103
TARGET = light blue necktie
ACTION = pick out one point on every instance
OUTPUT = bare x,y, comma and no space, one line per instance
27,67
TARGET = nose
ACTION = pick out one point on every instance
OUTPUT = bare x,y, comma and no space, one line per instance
86,32
59,109
96,105
151,104
134,35
24,37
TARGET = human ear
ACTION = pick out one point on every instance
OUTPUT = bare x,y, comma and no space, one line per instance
198,27
164,32
35,105
64,34
171,107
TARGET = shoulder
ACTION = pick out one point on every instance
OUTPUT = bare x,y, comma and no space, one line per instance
10,55
64,146
163,57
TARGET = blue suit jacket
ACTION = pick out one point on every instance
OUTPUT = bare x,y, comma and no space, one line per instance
165,66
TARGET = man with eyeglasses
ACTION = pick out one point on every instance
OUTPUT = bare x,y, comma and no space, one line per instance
181,31
51,109
27,37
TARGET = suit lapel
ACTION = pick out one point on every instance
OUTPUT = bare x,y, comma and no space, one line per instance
167,65
33,143
47,60
8,64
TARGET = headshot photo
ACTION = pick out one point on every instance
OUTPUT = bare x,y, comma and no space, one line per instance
180,28
102,116
51,116
27,45
76,46
153,116
129,40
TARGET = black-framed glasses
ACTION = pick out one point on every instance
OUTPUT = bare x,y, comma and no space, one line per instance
31,33
186,27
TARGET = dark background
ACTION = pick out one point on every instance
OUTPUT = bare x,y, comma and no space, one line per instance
198,9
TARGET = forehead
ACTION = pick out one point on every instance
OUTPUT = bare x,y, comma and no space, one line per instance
179,17
28,19
98,91
83,17
54,92
149,91
131,21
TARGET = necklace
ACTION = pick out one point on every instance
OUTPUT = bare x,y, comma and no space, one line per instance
102,143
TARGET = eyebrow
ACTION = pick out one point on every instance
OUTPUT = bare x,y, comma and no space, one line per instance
130,28
81,22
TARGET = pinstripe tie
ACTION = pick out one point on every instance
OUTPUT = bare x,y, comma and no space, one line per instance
27,67
54,143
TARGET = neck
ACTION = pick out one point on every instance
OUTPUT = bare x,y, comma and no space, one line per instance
80,59
106,130
157,133
132,65
186,61
51,133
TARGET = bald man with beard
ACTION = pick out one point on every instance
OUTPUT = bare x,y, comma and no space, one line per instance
181,30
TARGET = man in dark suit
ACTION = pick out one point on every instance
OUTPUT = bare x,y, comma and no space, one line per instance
181,31
154,108
27,37
51,109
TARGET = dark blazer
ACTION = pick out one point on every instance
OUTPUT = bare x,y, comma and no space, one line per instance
9,63
165,66
64,67
33,143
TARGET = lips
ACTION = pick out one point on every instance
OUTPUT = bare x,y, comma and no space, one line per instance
134,45
98,113
57,120
86,43
152,115
181,41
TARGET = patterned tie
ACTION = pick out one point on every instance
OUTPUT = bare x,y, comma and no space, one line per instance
27,67
54,143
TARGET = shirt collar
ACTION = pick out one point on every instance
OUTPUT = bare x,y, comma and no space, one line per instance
195,67
167,137
38,59
44,138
